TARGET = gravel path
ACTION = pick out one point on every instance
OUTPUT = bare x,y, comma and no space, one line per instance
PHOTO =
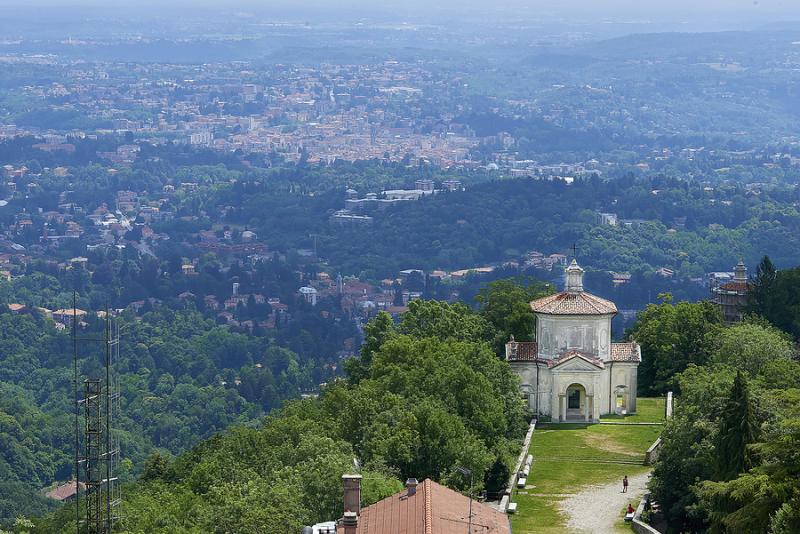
597,508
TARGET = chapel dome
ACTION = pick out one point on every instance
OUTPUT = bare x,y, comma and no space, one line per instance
574,300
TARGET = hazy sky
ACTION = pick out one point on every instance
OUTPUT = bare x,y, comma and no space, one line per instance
565,6
695,14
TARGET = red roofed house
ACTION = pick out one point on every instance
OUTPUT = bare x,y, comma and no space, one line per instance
64,492
573,371
421,508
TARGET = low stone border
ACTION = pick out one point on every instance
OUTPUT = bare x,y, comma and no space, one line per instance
651,455
526,444
638,525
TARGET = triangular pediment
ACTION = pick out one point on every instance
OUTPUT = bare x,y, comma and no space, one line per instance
576,363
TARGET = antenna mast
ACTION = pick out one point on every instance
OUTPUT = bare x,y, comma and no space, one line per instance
77,413
102,498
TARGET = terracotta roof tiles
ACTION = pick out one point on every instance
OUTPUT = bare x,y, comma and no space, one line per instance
737,286
626,352
433,509
573,303
522,351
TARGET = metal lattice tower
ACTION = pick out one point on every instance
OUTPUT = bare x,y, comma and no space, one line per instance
97,457
93,456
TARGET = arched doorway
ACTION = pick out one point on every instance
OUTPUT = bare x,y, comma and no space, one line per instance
621,399
576,402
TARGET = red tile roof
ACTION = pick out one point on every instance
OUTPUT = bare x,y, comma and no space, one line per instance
433,509
522,351
739,287
63,492
573,303
626,352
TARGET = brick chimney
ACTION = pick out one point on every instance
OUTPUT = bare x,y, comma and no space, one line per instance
411,486
352,494
350,522
352,503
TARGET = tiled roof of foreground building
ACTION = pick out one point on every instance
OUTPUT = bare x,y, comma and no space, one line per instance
573,301
430,509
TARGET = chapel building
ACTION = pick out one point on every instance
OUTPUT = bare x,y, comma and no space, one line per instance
573,371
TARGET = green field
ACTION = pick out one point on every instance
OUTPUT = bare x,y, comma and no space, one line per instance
650,410
568,457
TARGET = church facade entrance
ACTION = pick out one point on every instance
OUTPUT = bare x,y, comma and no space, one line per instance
576,400
577,403
574,396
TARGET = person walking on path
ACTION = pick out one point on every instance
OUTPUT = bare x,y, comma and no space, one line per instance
595,509
625,484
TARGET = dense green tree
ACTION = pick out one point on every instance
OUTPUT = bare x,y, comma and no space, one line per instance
762,288
750,346
737,430
375,333
764,498
776,297
432,318
673,336
727,462
688,444
505,304
497,476
686,456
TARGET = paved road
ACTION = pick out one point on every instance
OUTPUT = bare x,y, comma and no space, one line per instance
597,508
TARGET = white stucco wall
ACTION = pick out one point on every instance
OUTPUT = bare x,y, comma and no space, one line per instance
527,374
590,334
600,384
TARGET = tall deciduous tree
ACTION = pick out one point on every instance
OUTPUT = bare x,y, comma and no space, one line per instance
673,336
775,295
506,305
433,318
750,346
375,333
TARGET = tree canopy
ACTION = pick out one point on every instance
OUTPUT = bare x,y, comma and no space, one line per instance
430,396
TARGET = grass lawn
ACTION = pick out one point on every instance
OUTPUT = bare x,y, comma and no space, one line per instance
650,410
568,457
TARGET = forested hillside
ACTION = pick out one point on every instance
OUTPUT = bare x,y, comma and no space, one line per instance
181,379
502,219
425,397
